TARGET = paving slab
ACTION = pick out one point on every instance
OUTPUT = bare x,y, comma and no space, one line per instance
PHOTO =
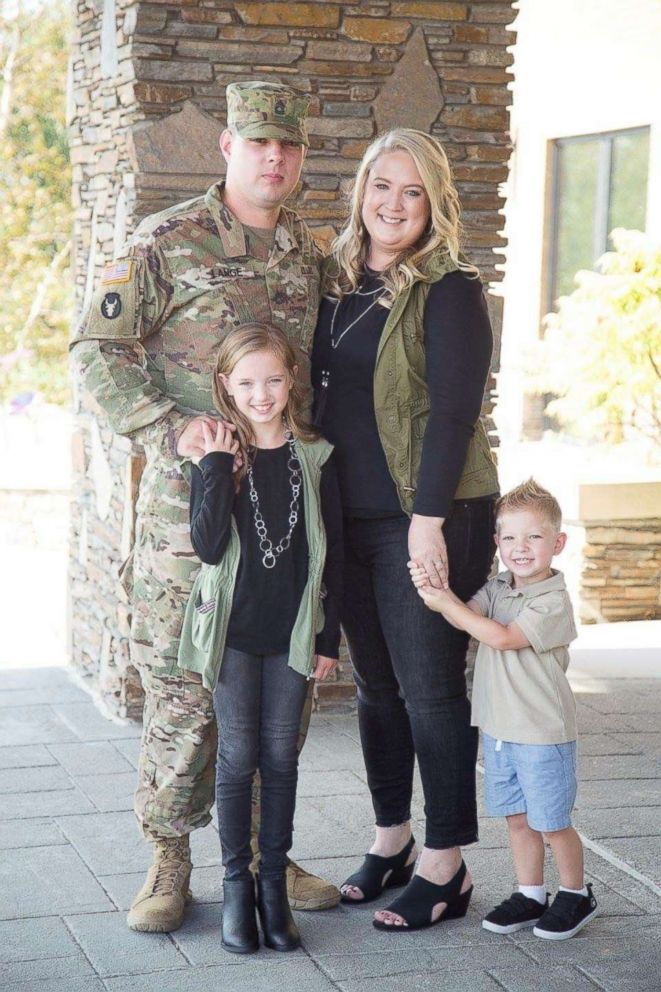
591,721
618,766
86,984
107,842
605,823
544,979
30,833
38,971
30,756
642,853
98,757
647,742
619,793
47,696
113,949
329,783
265,972
596,744
35,678
34,940
61,802
432,981
88,724
462,956
109,793
46,881
129,749
640,974
23,780
33,725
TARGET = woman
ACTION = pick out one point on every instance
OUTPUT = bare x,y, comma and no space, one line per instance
400,361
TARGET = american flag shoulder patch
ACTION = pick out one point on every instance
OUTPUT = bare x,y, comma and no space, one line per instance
207,607
117,272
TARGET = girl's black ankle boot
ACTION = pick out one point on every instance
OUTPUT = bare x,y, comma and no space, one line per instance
240,934
280,931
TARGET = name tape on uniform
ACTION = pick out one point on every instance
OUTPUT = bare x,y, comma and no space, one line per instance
117,272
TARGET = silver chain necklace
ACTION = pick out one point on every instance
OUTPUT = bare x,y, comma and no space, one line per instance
271,554
335,344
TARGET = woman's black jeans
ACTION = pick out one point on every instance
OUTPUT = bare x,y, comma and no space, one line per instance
410,666
258,702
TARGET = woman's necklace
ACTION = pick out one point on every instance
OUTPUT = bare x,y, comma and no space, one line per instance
320,404
271,554
336,341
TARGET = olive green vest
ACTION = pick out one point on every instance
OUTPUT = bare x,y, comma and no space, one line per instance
401,397
208,611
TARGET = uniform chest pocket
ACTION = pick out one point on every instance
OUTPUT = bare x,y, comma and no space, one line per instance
295,301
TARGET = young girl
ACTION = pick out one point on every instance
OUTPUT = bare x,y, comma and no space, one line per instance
256,628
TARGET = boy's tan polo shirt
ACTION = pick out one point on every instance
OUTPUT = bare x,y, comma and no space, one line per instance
523,696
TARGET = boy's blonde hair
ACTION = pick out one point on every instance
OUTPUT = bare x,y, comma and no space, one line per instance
245,340
531,496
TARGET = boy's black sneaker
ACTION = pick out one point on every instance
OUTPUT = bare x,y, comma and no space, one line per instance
515,913
567,914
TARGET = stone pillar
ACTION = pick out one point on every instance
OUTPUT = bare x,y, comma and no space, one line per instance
147,105
621,578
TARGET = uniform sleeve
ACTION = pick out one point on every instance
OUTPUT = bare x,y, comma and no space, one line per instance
131,302
458,347
328,640
548,621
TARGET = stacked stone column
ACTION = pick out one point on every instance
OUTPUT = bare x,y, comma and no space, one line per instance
147,105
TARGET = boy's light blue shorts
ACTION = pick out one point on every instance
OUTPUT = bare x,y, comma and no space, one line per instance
536,779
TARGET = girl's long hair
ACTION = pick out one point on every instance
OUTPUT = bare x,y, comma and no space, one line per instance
242,341
442,234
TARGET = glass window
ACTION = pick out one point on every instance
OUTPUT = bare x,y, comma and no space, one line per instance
599,183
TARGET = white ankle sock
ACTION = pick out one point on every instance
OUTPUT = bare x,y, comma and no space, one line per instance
574,892
537,892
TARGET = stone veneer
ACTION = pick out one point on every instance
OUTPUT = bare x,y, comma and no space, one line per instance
621,577
147,101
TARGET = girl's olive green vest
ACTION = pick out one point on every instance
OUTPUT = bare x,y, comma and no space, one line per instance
401,397
208,612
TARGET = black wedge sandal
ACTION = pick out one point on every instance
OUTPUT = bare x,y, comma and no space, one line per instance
416,903
377,873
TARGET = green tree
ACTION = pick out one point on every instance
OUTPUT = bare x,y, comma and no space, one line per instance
35,192
601,355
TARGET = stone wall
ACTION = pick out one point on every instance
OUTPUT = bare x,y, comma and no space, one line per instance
146,106
621,578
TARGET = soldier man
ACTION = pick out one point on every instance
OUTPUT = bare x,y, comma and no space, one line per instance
145,357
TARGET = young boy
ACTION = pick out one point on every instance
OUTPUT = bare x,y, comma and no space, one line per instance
524,706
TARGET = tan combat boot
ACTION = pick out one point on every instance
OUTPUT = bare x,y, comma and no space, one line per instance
159,905
306,891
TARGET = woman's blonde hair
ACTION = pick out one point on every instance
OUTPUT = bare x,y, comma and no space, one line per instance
442,233
245,340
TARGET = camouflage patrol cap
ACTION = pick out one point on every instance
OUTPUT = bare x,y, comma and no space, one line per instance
267,110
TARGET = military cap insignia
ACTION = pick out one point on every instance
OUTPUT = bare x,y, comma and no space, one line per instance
280,107
111,306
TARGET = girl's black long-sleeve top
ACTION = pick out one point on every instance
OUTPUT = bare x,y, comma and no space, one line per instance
266,601
458,344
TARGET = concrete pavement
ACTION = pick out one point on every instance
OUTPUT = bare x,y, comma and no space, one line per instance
71,859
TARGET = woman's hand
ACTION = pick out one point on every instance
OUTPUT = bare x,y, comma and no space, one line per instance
324,667
219,437
427,549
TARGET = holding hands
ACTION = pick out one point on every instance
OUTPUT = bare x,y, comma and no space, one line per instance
436,599
324,667
219,436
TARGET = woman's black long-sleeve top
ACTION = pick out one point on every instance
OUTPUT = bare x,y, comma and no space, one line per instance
458,345
266,601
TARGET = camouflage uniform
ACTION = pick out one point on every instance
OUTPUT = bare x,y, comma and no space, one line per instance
145,354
